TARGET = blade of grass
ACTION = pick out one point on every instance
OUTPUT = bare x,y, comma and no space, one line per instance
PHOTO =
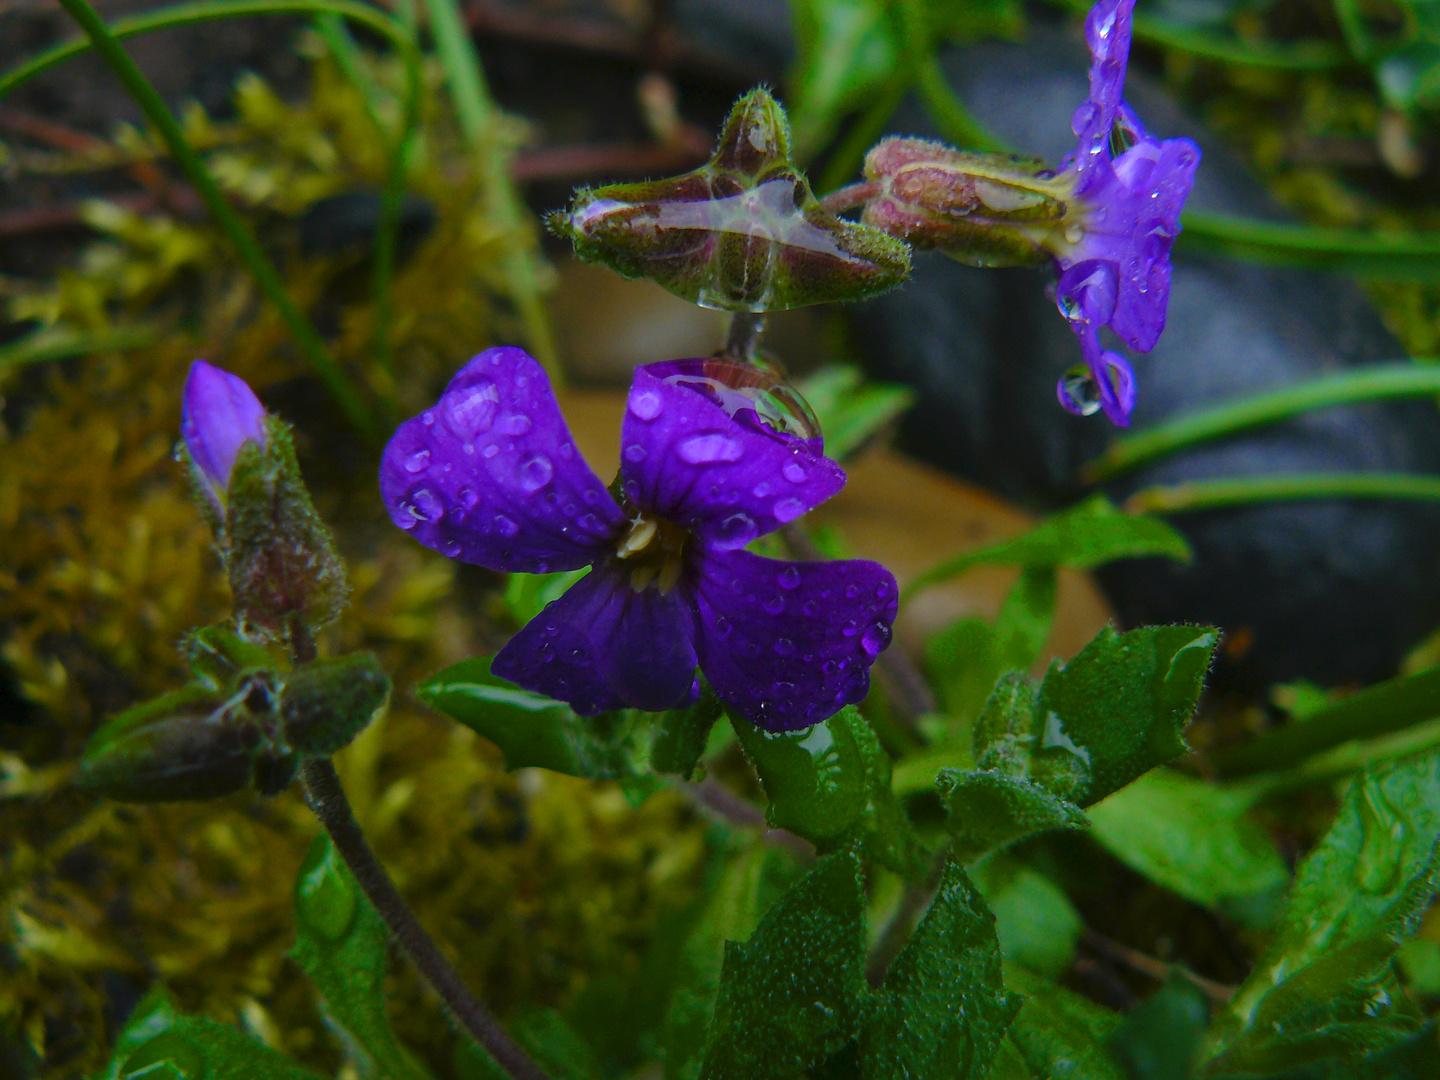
1215,494
61,343
479,122
1377,383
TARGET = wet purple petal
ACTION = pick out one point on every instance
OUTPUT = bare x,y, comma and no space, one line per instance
603,645
219,413
685,458
1107,32
788,644
491,476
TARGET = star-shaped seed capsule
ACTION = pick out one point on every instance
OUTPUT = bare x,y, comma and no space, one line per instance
743,232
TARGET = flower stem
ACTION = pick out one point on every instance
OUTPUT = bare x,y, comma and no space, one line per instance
229,222
1213,494
742,340
849,197
1406,379
479,123
327,799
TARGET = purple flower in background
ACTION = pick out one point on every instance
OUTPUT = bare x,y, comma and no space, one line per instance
1114,250
491,476
220,412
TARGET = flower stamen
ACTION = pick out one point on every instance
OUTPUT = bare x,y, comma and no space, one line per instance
655,550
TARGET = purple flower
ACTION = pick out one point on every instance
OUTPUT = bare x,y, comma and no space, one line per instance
1114,250
491,476
220,413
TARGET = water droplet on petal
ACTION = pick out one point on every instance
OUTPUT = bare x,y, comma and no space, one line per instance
490,451
789,577
793,472
738,529
710,447
722,626
752,394
646,405
788,510
774,605
419,461
1078,391
882,590
760,490
635,453
850,629
515,424
876,637
428,418
452,549
535,471
468,498
506,526
470,410
426,505
784,646
811,608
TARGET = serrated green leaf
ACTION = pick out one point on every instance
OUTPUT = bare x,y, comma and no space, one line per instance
1193,838
1324,988
850,410
987,811
731,914
682,735
1123,703
530,729
1161,1039
1060,1034
154,1014
199,1046
943,1008
793,994
1037,925
1084,536
341,944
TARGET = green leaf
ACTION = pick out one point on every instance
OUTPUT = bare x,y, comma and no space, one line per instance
850,410
829,782
847,50
153,1014
1324,988
1123,703
530,729
526,595
341,943
731,914
1037,925
683,734
556,1046
1084,536
1060,1034
1163,1037
200,1047
793,994
987,811
1193,838
943,1008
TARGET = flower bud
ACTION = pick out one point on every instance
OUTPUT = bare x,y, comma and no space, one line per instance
218,656
326,703
983,209
742,233
219,415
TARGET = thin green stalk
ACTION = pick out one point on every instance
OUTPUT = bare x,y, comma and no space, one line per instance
61,343
1377,383
230,223
850,155
476,112
1400,256
207,11
956,123
1214,494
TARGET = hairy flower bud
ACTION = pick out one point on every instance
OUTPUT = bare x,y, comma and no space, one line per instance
741,233
219,415
326,703
983,209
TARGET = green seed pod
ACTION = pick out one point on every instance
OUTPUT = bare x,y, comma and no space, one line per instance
188,745
741,233
326,703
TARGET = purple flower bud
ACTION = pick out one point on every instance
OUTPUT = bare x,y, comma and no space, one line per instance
220,413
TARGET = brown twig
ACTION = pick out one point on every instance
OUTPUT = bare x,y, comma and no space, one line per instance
1155,968
611,159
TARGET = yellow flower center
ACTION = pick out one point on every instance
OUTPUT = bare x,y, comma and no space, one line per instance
655,550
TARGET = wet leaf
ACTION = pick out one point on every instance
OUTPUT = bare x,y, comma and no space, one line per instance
1060,1034
850,410
943,1008
154,1014
1325,988
195,1046
682,735
556,1046
793,994
1037,925
987,811
1161,1039
530,729
342,944
1193,838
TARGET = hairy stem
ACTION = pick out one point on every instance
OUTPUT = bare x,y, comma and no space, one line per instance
849,197
229,222
327,799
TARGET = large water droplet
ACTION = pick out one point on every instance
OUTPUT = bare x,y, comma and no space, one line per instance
470,410
875,638
710,447
750,393
426,505
789,577
534,471
793,472
419,461
646,405
506,526
788,510
1078,391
